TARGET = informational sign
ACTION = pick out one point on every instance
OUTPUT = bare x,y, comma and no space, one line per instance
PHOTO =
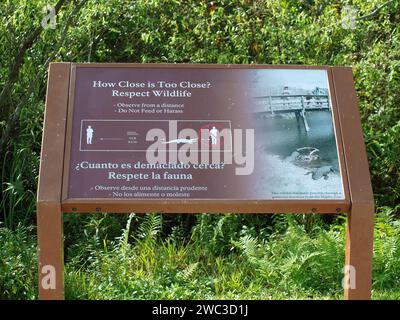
202,134
167,138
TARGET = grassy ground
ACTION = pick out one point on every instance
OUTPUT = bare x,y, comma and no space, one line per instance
299,259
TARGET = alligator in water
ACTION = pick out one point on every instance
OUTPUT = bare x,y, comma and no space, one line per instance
324,171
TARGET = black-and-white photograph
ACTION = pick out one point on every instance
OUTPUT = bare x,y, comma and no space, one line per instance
295,144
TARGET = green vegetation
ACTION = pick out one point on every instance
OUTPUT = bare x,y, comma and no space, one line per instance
203,256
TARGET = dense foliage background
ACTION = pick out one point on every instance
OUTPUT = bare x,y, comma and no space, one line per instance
202,256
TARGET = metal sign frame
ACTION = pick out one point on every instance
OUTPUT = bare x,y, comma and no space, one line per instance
52,201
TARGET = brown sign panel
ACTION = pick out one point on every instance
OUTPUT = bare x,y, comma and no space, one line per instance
203,138
185,134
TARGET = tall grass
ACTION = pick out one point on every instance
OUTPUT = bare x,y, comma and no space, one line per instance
17,202
144,260
18,263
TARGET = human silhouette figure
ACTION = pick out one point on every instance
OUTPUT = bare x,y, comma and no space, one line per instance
317,92
89,135
214,134
285,91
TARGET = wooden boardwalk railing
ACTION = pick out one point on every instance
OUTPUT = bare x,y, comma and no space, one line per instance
296,103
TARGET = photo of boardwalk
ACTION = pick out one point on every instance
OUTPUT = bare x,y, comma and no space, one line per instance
298,104
294,133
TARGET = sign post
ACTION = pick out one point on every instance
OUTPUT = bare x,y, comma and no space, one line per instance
203,138
359,238
49,212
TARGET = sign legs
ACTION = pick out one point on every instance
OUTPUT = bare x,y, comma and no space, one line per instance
357,281
50,251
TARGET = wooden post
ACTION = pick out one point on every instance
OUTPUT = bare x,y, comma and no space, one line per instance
359,241
303,114
49,214
50,251
270,105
